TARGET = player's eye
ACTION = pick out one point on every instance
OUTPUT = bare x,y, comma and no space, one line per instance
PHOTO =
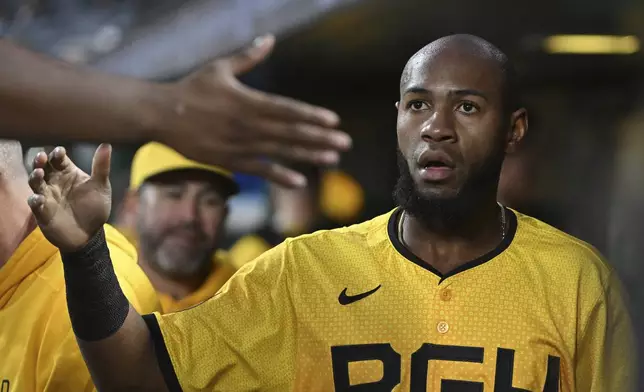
417,105
173,193
467,108
211,200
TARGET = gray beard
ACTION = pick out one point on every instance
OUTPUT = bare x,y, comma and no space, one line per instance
173,263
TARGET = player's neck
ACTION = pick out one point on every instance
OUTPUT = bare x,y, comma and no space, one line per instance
175,288
446,250
17,221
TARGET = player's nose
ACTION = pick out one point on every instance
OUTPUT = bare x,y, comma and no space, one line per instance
439,127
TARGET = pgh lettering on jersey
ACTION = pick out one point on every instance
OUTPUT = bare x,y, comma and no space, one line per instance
352,309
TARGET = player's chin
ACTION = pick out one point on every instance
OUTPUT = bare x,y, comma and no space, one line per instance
436,190
440,197
181,268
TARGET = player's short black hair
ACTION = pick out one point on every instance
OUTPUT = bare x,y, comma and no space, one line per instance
510,79
511,83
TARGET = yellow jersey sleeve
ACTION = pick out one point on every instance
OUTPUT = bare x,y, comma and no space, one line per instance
241,339
606,345
135,284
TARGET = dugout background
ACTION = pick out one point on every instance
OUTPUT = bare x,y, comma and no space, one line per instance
581,168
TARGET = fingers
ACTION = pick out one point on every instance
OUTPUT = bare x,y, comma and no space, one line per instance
101,164
273,172
37,181
274,150
40,160
59,160
37,204
290,110
248,58
37,200
308,136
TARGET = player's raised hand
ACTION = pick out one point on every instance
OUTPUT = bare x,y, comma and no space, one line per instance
70,205
214,118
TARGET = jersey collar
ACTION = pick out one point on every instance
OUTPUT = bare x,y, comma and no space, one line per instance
392,232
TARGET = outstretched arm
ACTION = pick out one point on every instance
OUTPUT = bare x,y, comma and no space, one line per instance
43,99
208,116
71,208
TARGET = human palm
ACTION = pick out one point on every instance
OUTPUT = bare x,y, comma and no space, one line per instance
70,206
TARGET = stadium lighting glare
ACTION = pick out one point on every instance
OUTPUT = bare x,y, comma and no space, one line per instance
591,44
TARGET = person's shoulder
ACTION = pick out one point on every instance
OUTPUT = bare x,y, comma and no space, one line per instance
562,251
341,239
135,284
358,231
326,244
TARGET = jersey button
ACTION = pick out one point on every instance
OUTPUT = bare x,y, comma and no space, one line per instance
442,327
446,295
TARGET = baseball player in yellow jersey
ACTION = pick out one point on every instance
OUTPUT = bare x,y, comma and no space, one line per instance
450,291
38,348
175,212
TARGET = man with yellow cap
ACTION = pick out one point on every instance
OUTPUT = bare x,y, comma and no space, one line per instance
175,212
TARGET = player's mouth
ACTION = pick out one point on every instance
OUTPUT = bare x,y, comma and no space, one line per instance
185,237
435,166
184,241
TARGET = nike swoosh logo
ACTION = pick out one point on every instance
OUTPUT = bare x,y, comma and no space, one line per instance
345,299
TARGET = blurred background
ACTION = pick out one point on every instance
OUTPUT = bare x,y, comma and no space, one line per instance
581,168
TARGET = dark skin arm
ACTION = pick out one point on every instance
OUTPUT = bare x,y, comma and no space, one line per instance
208,116
70,206
126,360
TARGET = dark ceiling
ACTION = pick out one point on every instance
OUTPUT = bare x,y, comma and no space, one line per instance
373,35
380,35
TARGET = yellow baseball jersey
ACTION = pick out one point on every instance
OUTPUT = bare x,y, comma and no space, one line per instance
352,309
37,345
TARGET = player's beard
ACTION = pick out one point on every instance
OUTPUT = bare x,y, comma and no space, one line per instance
176,262
448,213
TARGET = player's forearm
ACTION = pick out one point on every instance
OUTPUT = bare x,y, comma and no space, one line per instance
42,99
121,362
113,337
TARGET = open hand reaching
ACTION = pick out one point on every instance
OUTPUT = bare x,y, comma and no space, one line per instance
70,205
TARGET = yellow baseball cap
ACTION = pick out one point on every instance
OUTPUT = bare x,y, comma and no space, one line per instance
154,158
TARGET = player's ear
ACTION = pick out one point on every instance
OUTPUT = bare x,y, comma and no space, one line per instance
518,129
